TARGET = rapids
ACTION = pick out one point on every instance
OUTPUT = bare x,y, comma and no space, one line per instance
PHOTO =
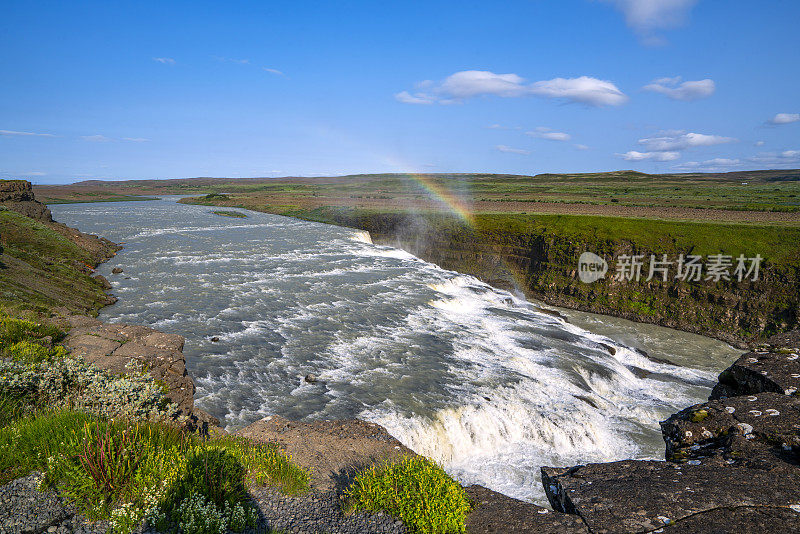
477,378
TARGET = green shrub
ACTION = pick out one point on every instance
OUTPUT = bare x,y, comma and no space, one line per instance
216,196
211,495
32,352
415,490
118,469
71,382
128,471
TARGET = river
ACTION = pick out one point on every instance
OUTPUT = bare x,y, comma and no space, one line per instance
477,378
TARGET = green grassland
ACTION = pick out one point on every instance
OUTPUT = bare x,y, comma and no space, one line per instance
741,191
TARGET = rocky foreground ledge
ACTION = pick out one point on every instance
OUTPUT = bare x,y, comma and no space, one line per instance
732,463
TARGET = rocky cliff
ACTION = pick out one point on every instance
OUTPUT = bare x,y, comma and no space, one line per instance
543,264
18,195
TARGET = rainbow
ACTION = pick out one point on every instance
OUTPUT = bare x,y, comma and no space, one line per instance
442,195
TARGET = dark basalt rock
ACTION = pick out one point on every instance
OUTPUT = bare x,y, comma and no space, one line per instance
116,270
497,513
771,366
763,428
743,520
642,496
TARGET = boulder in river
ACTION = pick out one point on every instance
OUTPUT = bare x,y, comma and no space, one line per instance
116,270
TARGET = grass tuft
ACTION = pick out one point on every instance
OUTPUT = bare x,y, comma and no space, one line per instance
414,489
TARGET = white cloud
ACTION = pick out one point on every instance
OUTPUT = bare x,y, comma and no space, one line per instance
510,150
581,147
677,90
472,83
759,143
273,71
584,89
232,60
784,118
633,155
24,134
96,138
469,83
546,133
164,60
135,139
646,17
677,140
419,98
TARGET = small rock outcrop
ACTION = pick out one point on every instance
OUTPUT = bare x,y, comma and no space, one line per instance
17,195
120,347
771,366
753,430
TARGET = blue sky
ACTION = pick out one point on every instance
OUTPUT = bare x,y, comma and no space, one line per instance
102,90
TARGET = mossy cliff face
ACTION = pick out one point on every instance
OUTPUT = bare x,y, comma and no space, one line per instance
539,256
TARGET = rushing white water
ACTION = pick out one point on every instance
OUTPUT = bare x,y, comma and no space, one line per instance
477,378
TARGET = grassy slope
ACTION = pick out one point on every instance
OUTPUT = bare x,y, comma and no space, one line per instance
42,269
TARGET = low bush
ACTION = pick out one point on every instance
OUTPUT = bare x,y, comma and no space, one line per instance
71,382
415,490
129,471
210,497
32,352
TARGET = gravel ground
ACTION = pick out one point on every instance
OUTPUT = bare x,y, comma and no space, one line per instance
26,510
318,512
